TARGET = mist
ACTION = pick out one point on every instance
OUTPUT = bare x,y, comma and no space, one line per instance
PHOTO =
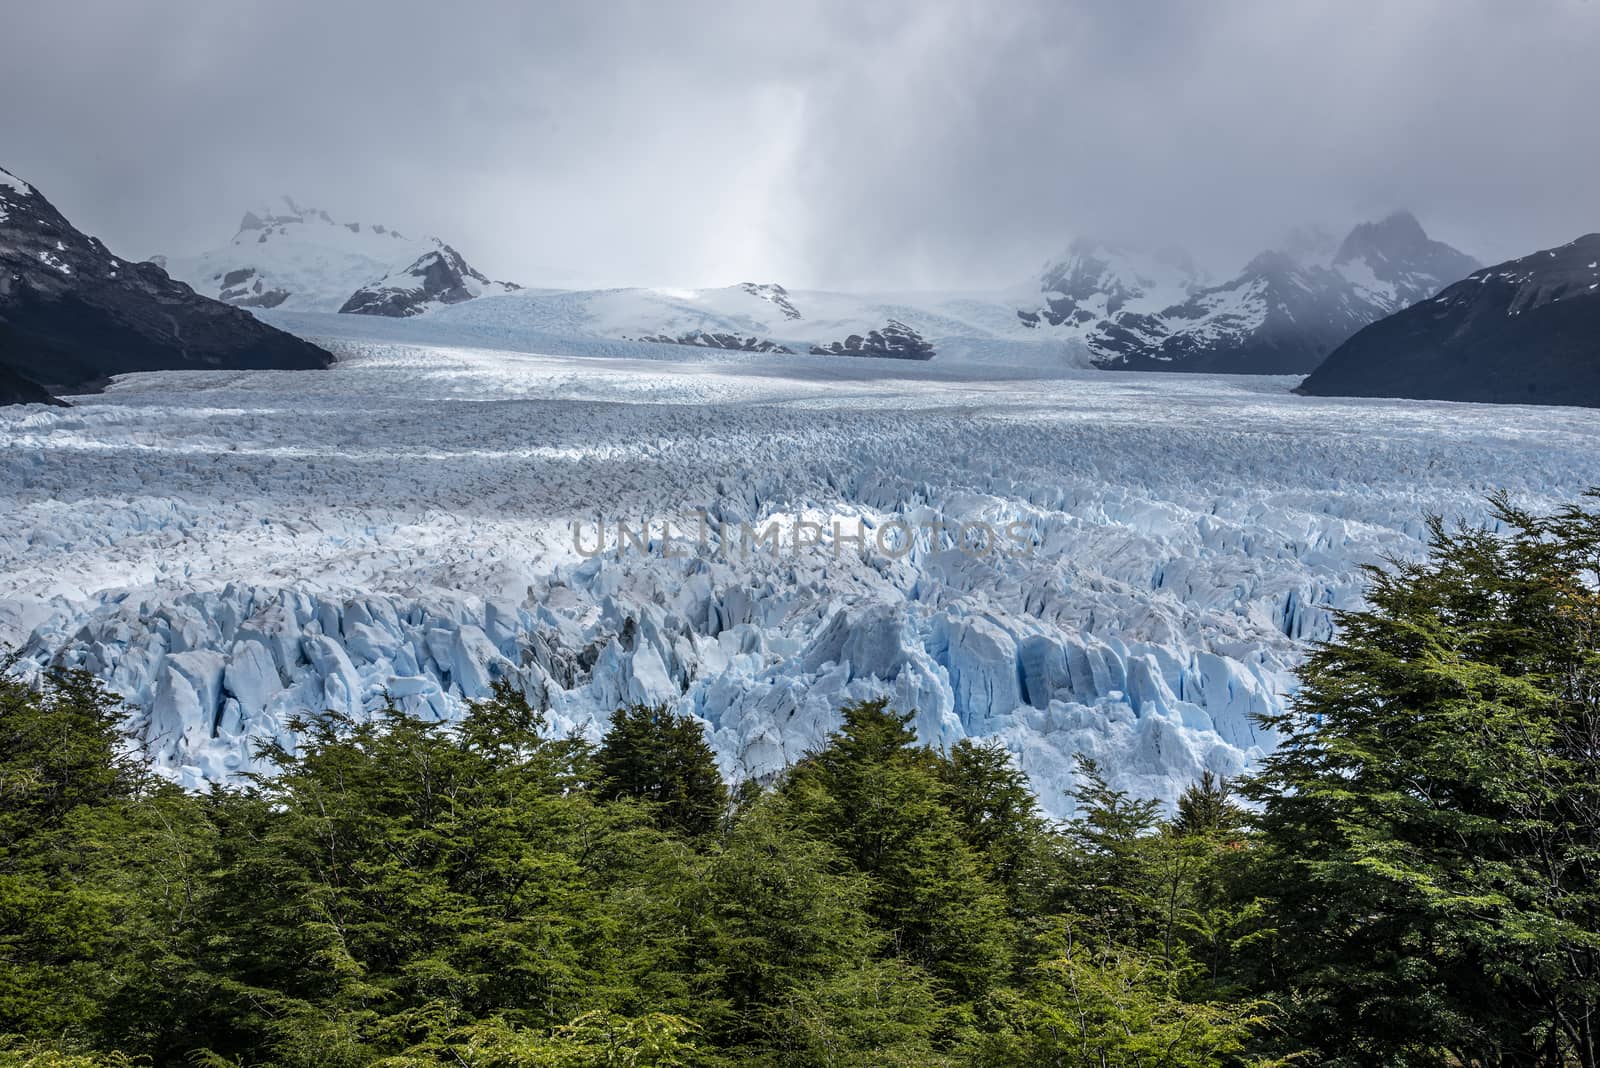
897,145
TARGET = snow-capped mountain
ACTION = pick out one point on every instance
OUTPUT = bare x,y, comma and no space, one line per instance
1097,282
1282,314
437,278
1278,316
301,258
1526,331
1394,263
72,313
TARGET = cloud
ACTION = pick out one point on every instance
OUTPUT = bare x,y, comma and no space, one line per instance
890,144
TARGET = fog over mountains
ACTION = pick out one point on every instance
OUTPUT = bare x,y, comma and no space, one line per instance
1284,312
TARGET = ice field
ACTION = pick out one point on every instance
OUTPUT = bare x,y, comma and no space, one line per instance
233,549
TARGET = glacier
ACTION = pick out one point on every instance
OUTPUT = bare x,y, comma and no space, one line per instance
234,550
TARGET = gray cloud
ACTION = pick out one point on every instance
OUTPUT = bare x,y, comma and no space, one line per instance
895,143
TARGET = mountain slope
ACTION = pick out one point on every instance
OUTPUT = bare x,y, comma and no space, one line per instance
301,258
1526,331
1282,314
1276,316
71,313
435,279
14,389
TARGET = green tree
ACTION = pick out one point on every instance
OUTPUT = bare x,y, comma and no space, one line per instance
1207,808
1138,886
1114,879
877,796
798,960
1431,824
874,1014
998,815
423,876
593,1040
787,912
65,791
659,757
15,1053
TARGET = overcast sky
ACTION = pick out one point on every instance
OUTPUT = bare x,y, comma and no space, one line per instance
859,143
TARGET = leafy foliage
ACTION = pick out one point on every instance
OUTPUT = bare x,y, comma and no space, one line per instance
1432,824
661,758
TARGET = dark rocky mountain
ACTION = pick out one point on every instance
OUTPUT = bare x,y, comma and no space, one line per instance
718,340
895,340
1282,314
773,293
14,389
247,289
72,314
436,278
1524,332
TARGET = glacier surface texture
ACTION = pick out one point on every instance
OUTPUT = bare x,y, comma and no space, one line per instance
233,550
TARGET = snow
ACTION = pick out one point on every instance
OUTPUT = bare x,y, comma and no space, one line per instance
53,261
1376,291
746,310
410,281
13,184
317,261
233,549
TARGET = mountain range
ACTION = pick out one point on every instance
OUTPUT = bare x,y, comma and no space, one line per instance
1401,314
1282,314
300,258
1117,308
72,314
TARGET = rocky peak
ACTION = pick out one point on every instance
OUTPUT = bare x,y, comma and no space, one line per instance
434,279
1284,312
774,294
1273,262
1397,234
894,340
1398,263
291,255
272,215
